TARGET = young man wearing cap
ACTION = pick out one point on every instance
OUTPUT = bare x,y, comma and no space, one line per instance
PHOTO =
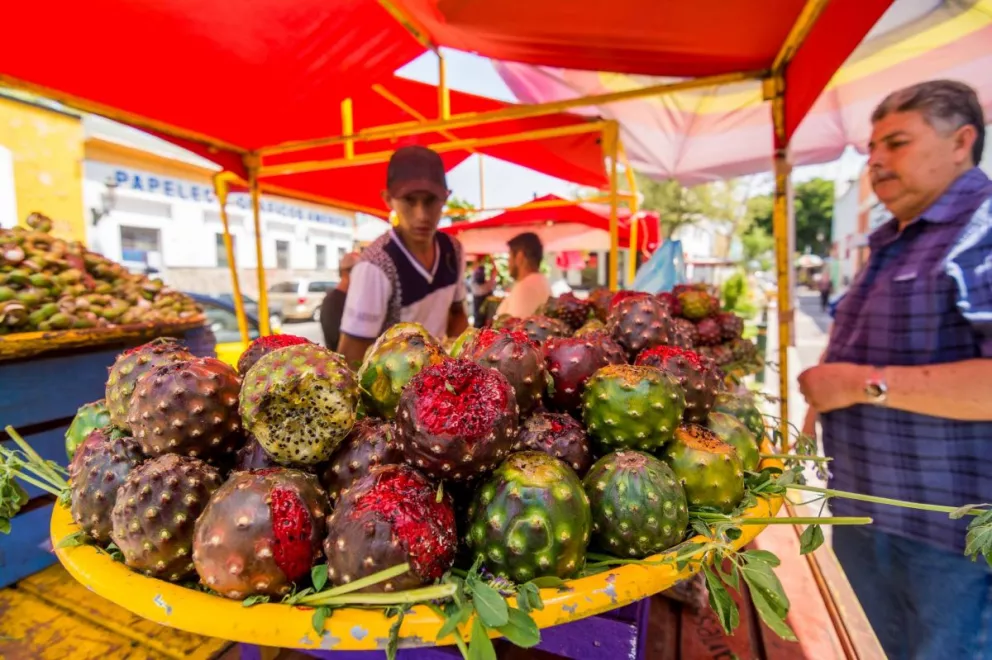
412,273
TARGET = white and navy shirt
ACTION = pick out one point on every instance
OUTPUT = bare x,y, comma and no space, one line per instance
388,285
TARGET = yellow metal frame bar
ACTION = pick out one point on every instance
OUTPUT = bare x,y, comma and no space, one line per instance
545,204
797,35
611,144
221,181
635,222
783,262
251,164
348,126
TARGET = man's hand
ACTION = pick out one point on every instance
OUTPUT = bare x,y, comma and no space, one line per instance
834,386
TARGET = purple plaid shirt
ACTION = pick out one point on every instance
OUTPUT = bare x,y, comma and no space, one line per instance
924,297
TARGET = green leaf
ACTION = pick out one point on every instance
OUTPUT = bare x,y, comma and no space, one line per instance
721,602
810,539
440,493
762,556
481,647
731,578
318,575
394,637
960,512
489,604
4,526
978,540
457,616
733,533
257,599
771,616
548,582
320,615
521,629
73,540
761,579
534,596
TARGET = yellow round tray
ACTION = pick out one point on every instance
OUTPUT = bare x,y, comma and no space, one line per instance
350,629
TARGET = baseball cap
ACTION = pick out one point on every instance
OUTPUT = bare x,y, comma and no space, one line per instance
413,169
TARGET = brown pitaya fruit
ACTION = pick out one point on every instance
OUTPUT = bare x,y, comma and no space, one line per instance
600,300
130,366
720,354
540,328
260,533
570,309
571,361
671,302
252,456
513,354
155,512
391,516
264,346
709,332
457,420
731,326
696,374
188,408
100,466
622,295
688,328
372,442
638,323
556,435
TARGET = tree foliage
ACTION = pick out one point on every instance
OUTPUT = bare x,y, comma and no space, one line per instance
813,206
458,204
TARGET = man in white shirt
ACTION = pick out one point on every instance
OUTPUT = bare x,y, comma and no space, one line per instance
531,288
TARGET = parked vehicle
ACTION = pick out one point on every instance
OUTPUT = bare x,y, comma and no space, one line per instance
223,322
298,299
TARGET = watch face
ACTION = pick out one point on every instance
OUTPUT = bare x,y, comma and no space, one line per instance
873,391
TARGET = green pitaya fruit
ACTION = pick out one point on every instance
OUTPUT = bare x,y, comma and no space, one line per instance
130,366
188,408
744,408
100,467
89,417
733,432
696,374
530,519
638,506
370,443
390,366
463,340
589,327
697,304
640,322
156,509
261,532
710,470
264,346
556,435
631,407
404,329
513,354
300,403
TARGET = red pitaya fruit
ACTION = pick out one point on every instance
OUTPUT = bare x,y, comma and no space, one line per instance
130,366
620,296
540,328
556,435
709,332
457,420
571,361
687,329
638,323
513,354
261,531
671,302
731,326
570,309
264,346
371,443
600,299
99,468
697,375
389,517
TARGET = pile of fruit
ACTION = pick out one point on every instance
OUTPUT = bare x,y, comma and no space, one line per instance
47,283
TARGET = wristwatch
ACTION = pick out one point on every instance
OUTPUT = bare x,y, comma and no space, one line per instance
876,389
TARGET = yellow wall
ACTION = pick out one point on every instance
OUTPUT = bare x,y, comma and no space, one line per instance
47,148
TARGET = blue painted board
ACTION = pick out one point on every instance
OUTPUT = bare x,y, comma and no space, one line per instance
27,549
49,444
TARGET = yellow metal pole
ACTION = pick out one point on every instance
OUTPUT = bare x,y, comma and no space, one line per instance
543,204
800,30
251,163
443,97
348,127
611,140
781,221
482,182
634,221
220,188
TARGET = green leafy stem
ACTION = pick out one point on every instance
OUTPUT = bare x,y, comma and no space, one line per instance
26,464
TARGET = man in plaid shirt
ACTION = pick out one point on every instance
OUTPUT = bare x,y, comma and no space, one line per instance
904,390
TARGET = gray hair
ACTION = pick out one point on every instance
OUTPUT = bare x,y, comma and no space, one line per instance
945,105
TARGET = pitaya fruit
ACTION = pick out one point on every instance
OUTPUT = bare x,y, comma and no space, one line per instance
457,420
188,408
743,350
600,300
300,402
743,408
530,519
638,506
733,432
710,470
540,328
570,309
556,435
264,346
89,417
638,323
720,354
589,327
671,301
513,354
696,374
624,294
260,532
390,366
155,512
571,362
370,443
697,304
130,366
631,407
100,467
252,456
404,329
709,332
391,516
731,326
688,328
462,341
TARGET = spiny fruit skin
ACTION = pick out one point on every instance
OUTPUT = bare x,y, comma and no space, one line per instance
252,456
462,341
695,373
710,470
264,346
600,300
100,467
743,350
404,329
457,420
188,408
513,354
589,327
130,366
638,323
731,325
671,301
300,402
697,304
390,366
570,309
733,432
540,328
156,510
260,532
372,442
688,328
742,407
556,435
571,361
631,407
638,506
89,417
620,296
709,332
530,519
388,517
720,354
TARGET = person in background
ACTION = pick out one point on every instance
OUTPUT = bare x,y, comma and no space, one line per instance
482,287
904,389
332,307
530,289
412,273
826,286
